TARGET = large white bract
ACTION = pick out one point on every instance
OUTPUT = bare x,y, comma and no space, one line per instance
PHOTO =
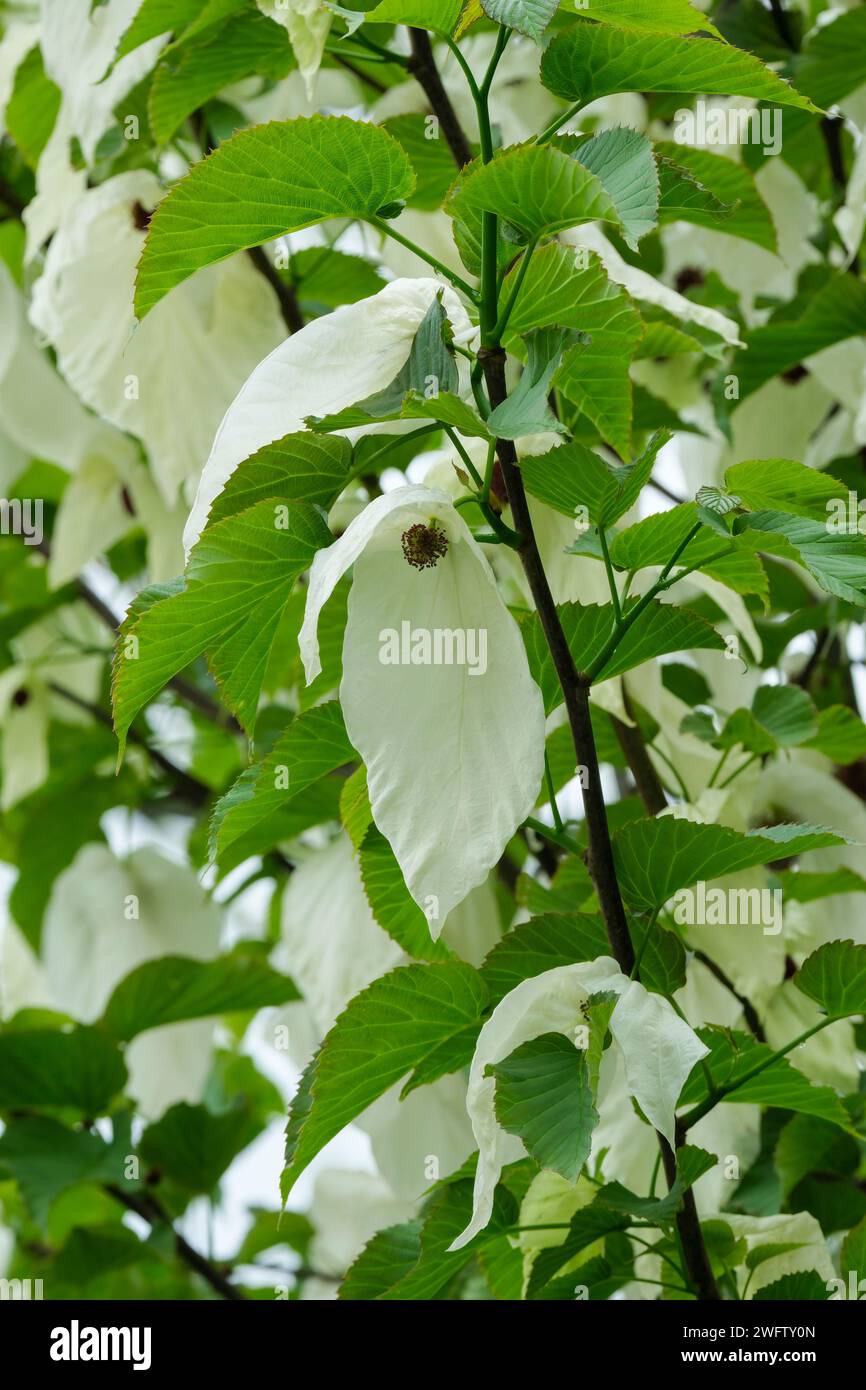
454,754
659,1050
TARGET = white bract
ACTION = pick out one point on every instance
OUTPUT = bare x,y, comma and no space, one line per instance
454,749
307,23
332,363
658,1049
168,379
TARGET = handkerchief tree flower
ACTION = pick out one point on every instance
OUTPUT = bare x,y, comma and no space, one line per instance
487,759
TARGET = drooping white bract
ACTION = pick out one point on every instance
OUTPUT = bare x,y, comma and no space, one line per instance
307,23
658,1048
332,363
436,693
168,379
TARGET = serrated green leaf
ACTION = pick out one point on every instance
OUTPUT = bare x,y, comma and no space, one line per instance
571,289
836,562
297,468
236,586
314,744
783,485
193,1147
173,988
262,183
657,857
731,186
662,628
541,944
529,17
733,1056
399,1024
535,188
589,61
80,1069
835,977
622,161
391,903
544,1096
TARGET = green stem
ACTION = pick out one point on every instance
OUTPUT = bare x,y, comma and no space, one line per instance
699,1111
470,466
737,770
502,322
622,627
387,230
718,767
560,838
548,777
558,122
611,577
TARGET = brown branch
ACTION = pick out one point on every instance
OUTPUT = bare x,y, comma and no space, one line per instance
283,289
422,66
575,691
149,1209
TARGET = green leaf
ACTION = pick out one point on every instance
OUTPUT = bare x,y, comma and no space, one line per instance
836,562
173,988
193,1147
442,16
589,61
429,368
391,903
729,183
314,744
782,716
80,1069
733,1055
386,1259
32,108
841,735
833,59
188,77
535,188
622,161
572,477
157,17
46,1157
835,977
544,1096
262,183
445,1217
852,1257
526,410
657,857
800,887
571,289
834,313
794,1288
237,583
692,1163
430,157
588,1225
783,485
334,278
761,1253
416,1017
662,628
91,1251
541,944
529,17
663,16
297,468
